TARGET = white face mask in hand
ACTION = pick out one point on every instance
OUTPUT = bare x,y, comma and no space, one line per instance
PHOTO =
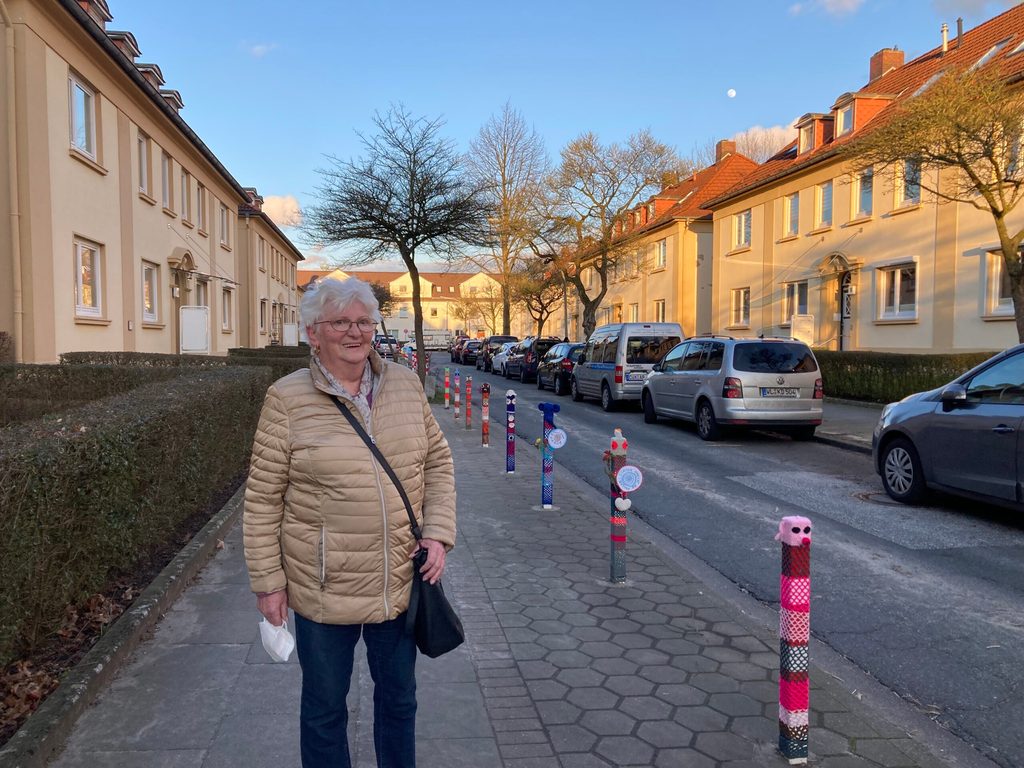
277,641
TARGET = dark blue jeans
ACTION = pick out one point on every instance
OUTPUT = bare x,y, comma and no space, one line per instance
325,655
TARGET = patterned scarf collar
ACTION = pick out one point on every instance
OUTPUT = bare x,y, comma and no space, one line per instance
361,399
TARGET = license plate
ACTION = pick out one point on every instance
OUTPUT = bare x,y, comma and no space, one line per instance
780,392
640,376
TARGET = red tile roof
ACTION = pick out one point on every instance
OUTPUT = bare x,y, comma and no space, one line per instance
442,279
898,85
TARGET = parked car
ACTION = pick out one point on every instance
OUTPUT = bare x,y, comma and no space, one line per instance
556,366
615,362
456,351
716,381
963,438
386,346
491,345
454,343
469,351
499,358
523,361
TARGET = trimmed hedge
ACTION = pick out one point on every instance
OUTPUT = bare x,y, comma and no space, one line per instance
30,391
884,377
300,351
280,366
90,492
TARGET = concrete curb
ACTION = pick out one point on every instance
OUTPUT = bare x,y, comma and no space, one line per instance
846,442
46,730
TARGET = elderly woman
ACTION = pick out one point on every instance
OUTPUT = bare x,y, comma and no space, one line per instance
326,531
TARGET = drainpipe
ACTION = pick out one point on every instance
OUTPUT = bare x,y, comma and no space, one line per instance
12,184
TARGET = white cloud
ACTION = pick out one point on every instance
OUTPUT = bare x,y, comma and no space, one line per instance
831,7
259,50
759,142
283,210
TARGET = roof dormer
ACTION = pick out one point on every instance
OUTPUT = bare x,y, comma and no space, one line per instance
852,111
813,130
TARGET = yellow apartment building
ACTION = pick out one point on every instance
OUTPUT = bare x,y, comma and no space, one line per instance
667,272
124,228
864,260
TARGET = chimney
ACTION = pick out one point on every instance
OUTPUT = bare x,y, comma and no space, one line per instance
255,199
152,74
723,149
959,31
98,11
126,44
885,60
173,98
945,38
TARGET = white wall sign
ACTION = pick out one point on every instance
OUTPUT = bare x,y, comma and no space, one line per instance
195,330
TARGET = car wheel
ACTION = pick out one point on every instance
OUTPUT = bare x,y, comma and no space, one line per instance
902,475
803,433
478,366
707,424
650,415
574,387
506,372
557,386
607,403
540,381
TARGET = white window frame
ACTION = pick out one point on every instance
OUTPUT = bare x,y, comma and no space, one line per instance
84,122
844,120
95,309
263,316
995,303
739,309
824,192
892,275
902,187
166,181
661,259
741,229
143,160
261,253
634,313
791,214
806,139
659,311
857,198
151,278
795,293
202,293
186,195
225,226
201,207
227,303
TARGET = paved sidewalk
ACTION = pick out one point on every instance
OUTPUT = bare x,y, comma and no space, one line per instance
560,669
849,424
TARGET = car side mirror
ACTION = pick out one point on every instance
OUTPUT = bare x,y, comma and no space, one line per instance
582,358
656,367
953,395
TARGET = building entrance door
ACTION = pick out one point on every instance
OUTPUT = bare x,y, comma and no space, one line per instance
846,311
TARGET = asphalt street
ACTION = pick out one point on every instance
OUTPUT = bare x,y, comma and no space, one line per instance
928,600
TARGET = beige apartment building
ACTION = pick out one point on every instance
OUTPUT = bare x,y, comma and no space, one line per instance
667,272
850,259
125,230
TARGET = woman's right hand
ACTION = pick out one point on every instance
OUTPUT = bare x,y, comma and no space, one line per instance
274,606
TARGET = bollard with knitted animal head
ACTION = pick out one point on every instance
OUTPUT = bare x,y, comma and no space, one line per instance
794,534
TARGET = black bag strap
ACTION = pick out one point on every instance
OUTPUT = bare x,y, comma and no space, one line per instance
382,461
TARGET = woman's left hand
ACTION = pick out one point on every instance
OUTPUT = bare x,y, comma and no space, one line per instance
434,567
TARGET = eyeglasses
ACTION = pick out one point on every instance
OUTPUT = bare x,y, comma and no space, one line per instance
342,325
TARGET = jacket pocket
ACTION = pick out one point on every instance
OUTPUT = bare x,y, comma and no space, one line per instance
321,554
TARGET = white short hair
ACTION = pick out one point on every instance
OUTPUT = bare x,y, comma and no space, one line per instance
331,293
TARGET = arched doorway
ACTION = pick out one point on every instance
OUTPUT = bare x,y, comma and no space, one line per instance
837,272
182,267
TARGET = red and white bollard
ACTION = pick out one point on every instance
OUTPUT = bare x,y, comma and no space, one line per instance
447,388
485,415
794,635
469,402
458,392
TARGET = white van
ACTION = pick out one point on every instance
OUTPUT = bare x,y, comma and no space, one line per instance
616,360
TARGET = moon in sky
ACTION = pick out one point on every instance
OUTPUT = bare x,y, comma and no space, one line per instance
731,93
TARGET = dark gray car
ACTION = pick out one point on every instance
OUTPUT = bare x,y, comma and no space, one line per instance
964,438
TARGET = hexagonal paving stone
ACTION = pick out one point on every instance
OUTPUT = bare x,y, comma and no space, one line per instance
683,758
581,678
608,722
660,631
674,609
615,666
537,670
601,650
632,640
664,734
714,682
542,690
758,729
734,704
664,673
608,612
513,620
568,659
534,600
550,627
557,712
559,642
701,719
625,750
582,760
620,625
628,685
645,708
724,746
648,617
593,698
647,656
571,738
527,651
542,613
636,604
580,619
724,654
570,606
730,629
696,663
598,599
676,646
520,635
743,671
764,691
592,634
681,695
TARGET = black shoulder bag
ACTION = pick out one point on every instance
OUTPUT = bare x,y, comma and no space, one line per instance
430,616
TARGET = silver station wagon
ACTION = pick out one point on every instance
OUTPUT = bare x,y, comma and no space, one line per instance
758,383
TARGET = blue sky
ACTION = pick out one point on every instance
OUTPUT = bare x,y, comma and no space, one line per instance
273,87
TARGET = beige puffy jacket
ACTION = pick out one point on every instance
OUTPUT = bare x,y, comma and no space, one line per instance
323,518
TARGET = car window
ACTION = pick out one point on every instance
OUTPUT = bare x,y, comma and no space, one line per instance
609,348
575,352
1000,383
646,350
674,358
780,357
713,360
693,355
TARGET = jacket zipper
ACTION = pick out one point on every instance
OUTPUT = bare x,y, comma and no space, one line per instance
384,516
322,554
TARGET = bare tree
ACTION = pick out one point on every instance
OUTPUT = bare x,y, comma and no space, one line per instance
593,187
386,304
540,291
757,142
409,193
508,163
967,126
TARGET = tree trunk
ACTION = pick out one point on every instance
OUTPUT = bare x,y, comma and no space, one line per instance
409,257
1017,292
506,309
589,317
